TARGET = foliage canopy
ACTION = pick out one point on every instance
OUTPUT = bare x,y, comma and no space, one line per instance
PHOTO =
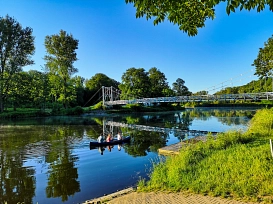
264,60
190,15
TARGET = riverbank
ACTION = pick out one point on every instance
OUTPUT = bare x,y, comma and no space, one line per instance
235,165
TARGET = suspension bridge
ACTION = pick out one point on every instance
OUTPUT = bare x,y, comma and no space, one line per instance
111,96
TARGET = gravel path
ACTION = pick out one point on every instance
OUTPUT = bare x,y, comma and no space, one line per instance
129,196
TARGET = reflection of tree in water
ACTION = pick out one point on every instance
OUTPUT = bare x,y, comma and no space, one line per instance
180,121
143,142
63,175
233,121
225,116
204,114
17,183
170,120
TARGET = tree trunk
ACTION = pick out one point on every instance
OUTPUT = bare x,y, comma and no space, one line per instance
1,103
64,87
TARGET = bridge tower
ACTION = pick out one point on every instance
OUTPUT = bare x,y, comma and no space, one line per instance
110,94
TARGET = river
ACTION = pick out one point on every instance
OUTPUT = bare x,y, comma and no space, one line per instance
49,160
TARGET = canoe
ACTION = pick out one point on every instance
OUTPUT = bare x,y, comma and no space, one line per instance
113,142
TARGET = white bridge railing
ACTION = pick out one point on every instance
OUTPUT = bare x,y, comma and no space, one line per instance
199,98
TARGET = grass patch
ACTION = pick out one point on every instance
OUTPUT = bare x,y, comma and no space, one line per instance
25,112
35,112
232,164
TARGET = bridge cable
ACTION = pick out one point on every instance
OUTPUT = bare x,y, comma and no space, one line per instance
91,97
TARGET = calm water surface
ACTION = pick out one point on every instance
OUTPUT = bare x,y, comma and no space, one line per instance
49,160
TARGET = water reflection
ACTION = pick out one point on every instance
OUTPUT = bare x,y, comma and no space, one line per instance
143,142
62,173
50,146
17,182
50,158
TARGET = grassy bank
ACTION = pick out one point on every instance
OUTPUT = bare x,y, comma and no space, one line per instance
35,112
234,164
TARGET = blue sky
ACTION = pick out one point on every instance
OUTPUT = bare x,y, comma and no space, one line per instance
112,40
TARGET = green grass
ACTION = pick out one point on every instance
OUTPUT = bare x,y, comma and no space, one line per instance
24,112
234,164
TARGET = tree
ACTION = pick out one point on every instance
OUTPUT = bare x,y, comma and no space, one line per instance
180,89
135,84
79,81
190,15
201,93
159,85
59,60
99,80
16,49
167,92
94,84
264,60
20,90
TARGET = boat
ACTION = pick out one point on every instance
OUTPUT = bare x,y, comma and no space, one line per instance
113,142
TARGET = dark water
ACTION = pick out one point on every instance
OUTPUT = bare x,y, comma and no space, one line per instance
48,160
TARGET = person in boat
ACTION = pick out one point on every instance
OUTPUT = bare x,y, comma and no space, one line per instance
119,147
109,138
100,139
109,148
101,149
119,136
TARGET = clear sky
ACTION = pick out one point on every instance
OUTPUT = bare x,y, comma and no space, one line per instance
112,40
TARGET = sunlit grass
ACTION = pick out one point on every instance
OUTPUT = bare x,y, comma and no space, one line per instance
234,164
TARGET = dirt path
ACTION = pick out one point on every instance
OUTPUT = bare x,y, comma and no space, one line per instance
129,196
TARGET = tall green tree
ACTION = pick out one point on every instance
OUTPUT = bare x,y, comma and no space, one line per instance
16,49
190,15
180,89
61,54
135,84
158,82
264,60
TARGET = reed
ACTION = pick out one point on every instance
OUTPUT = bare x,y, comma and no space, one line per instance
232,164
